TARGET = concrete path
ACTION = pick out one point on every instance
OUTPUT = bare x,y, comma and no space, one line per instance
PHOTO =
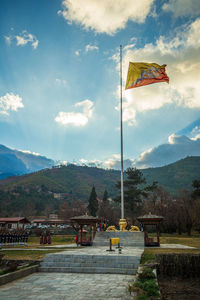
59,286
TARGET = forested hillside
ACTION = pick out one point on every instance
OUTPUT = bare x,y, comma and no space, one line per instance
44,191
176,176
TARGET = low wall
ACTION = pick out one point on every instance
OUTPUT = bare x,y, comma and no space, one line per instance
127,238
181,265
17,274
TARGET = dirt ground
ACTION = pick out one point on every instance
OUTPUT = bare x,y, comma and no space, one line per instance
179,289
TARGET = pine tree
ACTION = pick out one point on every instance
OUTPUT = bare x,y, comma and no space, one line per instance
93,203
134,191
105,197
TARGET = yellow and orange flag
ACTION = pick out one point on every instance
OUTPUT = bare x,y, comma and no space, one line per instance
140,74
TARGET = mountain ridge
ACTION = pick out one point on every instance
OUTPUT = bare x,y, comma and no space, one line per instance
15,162
45,190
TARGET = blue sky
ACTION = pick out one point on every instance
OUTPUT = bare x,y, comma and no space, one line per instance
59,76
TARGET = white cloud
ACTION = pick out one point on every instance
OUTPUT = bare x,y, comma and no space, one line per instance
71,118
182,7
83,161
114,162
78,119
87,106
91,48
8,39
61,82
10,102
181,53
195,133
25,38
105,16
29,152
77,52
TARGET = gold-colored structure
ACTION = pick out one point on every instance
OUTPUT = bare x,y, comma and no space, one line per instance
111,228
134,228
122,224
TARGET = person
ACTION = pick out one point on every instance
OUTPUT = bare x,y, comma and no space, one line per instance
45,238
26,238
49,238
41,238
104,225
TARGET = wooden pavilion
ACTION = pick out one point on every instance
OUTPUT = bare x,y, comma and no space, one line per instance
151,222
79,223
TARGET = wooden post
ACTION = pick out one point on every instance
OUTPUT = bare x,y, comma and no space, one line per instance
81,234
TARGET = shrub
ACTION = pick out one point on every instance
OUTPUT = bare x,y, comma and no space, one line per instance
142,297
149,286
146,274
13,266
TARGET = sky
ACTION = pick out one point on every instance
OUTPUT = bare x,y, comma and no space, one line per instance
59,78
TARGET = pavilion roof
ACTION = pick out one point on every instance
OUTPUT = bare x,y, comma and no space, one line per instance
14,220
150,218
84,219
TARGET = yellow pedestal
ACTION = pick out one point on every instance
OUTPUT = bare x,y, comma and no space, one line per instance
122,224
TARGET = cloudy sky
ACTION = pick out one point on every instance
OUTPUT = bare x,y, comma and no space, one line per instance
59,77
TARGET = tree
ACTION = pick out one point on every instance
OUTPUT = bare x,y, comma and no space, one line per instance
105,197
196,186
68,210
93,203
134,192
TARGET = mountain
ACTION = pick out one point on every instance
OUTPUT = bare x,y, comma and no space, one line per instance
14,162
75,181
178,147
176,176
45,190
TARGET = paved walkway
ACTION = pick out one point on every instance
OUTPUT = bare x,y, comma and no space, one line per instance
61,286
102,251
74,286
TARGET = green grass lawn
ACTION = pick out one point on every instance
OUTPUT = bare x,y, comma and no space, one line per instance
34,242
26,255
55,240
149,254
193,240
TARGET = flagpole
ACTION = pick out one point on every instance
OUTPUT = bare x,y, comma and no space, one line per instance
121,130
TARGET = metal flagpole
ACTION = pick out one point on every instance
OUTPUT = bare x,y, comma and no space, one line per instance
121,129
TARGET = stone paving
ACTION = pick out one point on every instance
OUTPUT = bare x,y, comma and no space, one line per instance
127,251
59,286
76,286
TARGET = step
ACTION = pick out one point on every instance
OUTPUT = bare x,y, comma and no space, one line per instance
94,270
86,264
93,259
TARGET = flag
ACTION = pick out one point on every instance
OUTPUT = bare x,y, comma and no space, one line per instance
140,74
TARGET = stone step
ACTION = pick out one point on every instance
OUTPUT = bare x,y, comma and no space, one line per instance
86,264
89,270
92,259
98,259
